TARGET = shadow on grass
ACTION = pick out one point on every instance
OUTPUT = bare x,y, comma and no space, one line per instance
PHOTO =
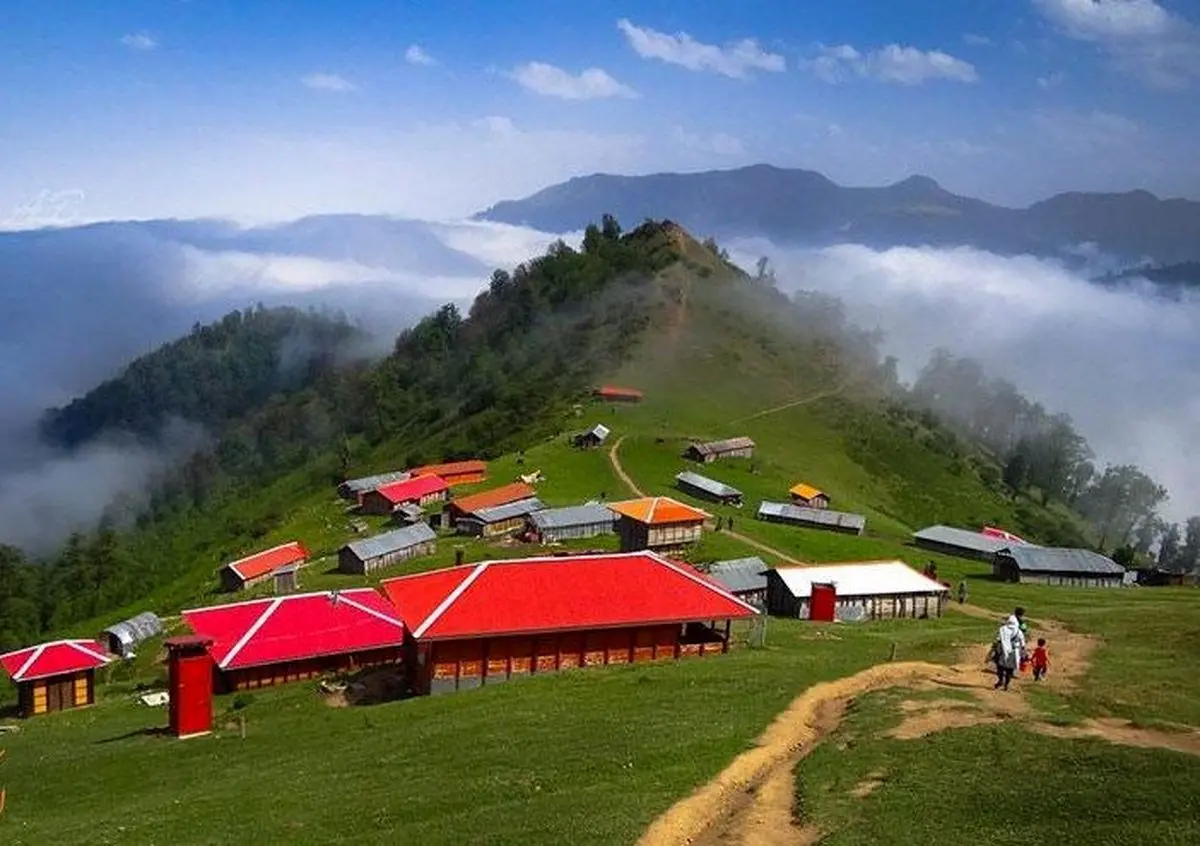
150,731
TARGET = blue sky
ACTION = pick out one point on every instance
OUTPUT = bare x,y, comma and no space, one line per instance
272,109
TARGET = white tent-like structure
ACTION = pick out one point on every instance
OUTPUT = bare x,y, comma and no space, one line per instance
881,589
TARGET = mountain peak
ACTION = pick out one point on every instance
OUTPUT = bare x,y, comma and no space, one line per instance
918,184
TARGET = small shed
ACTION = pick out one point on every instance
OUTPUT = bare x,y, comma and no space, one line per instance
55,676
286,580
498,520
455,472
882,589
554,525
745,578
355,488
739,447
248,571
419,490
593,437
464,506
406,515
658,523
806,496
1057,566
812,518
706,488
122,637
962,543
384,550
614,393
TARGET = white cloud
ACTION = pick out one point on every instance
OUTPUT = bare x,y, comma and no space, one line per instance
1141,36
975,40
1051,80
328,82
720,143
143,41
46,208
892,64
551,81
735,59
1117,360
417,55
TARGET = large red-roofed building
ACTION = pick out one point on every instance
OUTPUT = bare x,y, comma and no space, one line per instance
455,472
488,622
55,676
615,393
419,490
270,641
248,571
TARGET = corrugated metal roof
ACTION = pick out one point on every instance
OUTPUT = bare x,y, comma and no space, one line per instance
600,431
873,578
136,629
392,541
509,510
1041,559
741,574
704,483
370,483
962,538
572,515
726,445
816,516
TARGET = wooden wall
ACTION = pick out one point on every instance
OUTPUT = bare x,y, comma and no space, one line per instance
348,562
1007,570
271,674
57,693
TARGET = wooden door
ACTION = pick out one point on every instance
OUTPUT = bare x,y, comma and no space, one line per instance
60,694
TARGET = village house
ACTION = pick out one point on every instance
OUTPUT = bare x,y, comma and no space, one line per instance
355,488
961,543
249,571
612,393
593,437
658,523
1057,566
490,622
555,525
55,676
873,590
498,520
464,506
812,518
374,553
740,447
706,488
419,490
745,578
455,472
407,514
288,638
286,579
807,496
122,637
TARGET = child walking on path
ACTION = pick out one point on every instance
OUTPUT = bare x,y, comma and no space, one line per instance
1040,660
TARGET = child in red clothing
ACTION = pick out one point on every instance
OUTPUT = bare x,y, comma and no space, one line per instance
1040,661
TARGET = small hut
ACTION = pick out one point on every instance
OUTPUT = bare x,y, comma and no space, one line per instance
498,520
812,518
593,437
706,453
384,550
355,488
745,578
658,523
55,676
706,488
122,637
419,490
554,525
807,496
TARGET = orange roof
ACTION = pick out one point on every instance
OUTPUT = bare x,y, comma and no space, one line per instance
454,468
657,510
491,498
261,563
804,491
614,391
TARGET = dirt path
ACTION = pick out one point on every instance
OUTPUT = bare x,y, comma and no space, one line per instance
752,800
614,458
793,404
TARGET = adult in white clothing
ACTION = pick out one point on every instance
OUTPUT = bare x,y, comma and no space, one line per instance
1010,645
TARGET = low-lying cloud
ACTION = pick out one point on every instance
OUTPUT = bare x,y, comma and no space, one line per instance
1120,361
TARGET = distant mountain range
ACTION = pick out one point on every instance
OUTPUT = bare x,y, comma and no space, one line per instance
802,207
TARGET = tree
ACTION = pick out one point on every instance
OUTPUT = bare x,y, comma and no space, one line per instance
1189,555
1148,530
1016,469
1168,548
1118,500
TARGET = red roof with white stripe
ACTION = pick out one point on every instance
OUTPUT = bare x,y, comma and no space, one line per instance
532,595
261,563
54,659
292,628
411,490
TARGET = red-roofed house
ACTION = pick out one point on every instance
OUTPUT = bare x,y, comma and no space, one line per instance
613,393
485,623
55,676
270,641
241,574
455,472
419,490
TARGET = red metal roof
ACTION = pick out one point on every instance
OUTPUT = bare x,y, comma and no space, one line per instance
54,659
526,596
291,628
261,563
411,490
502,495
453,468
615,391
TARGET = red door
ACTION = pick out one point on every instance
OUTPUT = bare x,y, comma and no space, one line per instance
822,603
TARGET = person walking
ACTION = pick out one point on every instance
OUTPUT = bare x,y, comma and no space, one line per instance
1040,660
962,592
1010,643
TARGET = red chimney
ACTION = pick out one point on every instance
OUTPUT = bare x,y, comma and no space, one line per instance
190,669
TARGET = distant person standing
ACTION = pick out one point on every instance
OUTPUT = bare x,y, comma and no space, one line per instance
1040,660
962,592
1010,645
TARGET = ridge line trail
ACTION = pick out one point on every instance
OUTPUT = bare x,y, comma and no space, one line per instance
820,395
615,460
751,801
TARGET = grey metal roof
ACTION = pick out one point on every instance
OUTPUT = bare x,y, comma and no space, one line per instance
392,541
704,483
370,483
1041,559
963,539
599,430
741,574
572,515
815,516
726,445
509,510
136,629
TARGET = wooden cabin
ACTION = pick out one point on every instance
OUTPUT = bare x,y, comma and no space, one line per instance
55,676
464,506
961,543
706,453
498,520
1057,566
807,496
657,523
555,525
354,489
374,553
745,578
592,438
419,490
703,487
455,472
253,569
812,518
639,607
